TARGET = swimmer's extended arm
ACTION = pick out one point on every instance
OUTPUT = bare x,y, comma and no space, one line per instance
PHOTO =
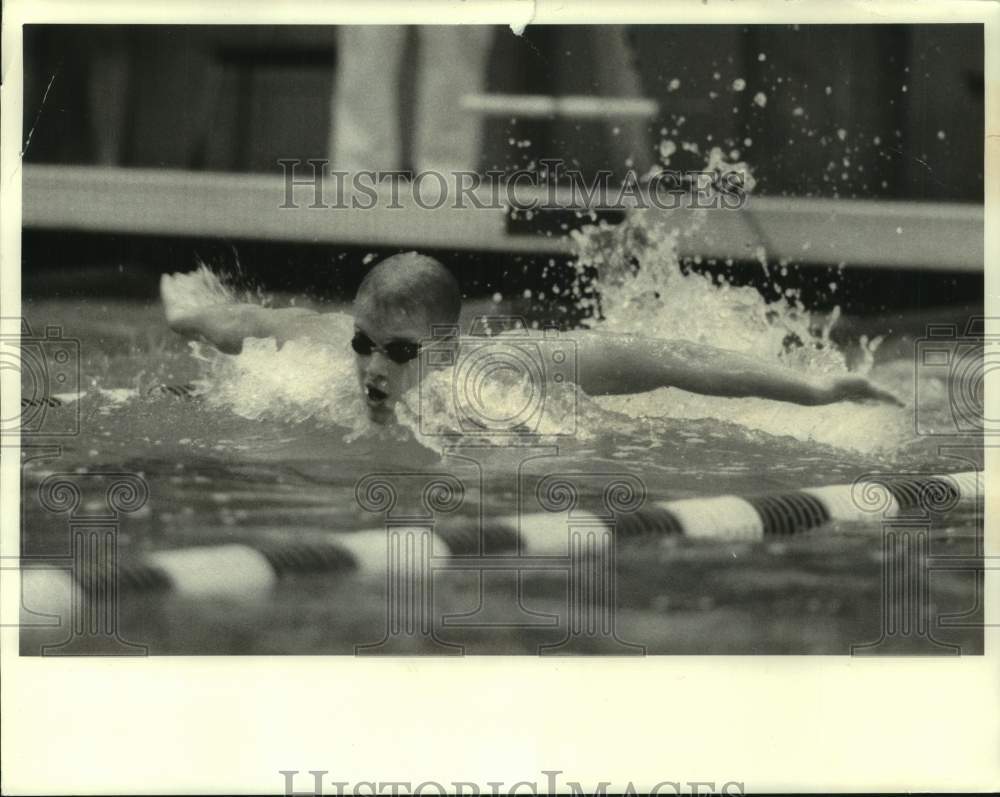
226,326
190,311
615,364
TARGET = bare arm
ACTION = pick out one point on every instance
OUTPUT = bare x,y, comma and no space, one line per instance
225,326
613,364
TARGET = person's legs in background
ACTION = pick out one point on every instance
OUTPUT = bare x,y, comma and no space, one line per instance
365,129
107,93
618,76
451,62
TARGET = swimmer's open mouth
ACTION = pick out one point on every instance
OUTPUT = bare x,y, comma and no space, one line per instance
374,395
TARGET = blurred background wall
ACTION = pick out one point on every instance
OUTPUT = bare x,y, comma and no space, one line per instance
891,112
908,98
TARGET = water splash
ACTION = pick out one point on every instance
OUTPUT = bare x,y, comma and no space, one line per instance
644,289
298,381
630,279
636,282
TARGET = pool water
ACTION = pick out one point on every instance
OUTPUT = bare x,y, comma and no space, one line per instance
274,445
265,452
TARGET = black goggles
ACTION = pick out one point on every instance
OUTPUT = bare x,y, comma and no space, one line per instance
399,351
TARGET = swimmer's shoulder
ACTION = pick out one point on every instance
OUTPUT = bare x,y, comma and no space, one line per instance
507,336
518,332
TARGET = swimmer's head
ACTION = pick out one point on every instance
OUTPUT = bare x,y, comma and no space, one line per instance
398,303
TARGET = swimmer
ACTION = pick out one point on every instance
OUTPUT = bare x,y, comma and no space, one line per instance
405,298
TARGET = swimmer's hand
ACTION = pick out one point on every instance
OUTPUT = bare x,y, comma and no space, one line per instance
197,306
857,388
616,364
185,295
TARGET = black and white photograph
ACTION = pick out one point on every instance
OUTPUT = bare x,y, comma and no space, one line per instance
569,341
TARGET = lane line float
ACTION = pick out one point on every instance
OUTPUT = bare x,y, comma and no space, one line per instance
254,568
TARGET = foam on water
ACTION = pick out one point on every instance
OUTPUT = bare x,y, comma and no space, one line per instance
300,380
644,288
